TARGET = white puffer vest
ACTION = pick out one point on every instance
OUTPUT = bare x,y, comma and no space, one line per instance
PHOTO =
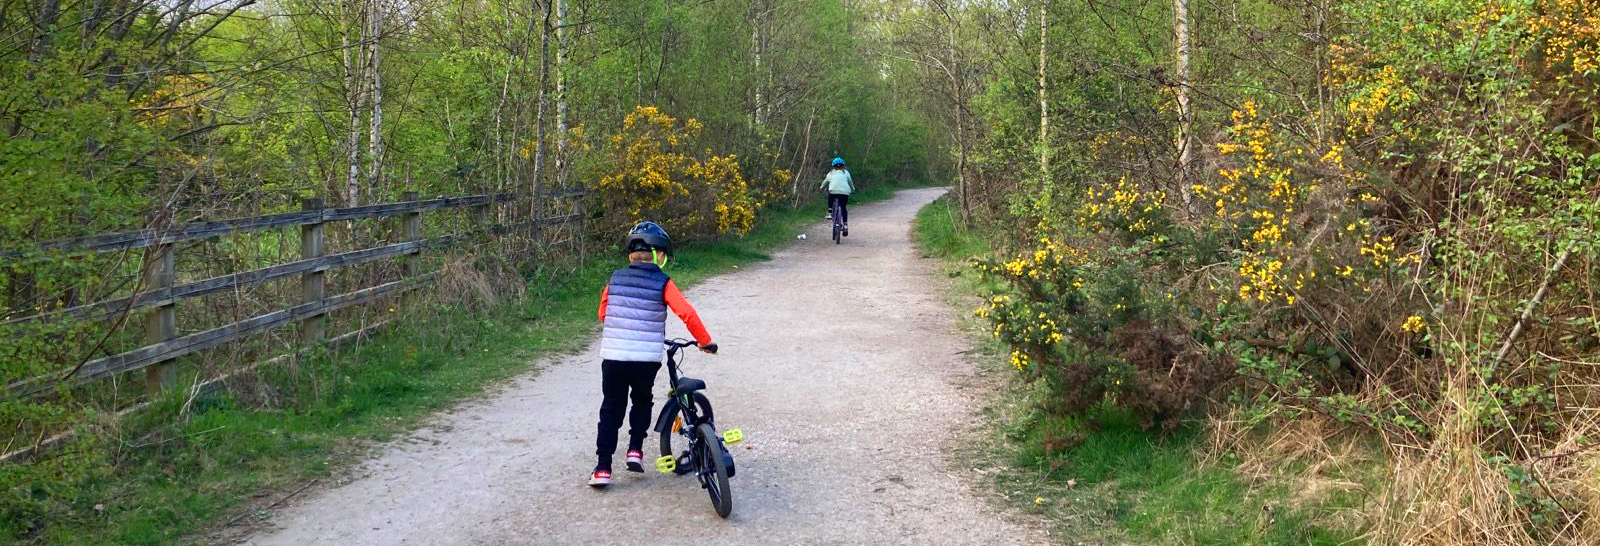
636,315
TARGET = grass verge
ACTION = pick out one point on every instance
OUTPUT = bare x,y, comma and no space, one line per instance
189,466
1101,478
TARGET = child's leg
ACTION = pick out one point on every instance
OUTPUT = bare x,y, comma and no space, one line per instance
844,209
642,380
613,402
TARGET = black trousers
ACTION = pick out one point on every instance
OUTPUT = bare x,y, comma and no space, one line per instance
844,205
620,382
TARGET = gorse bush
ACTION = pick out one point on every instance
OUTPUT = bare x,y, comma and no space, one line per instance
1094,341
655,173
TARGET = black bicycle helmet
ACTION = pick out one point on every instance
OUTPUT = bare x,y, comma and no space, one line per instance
647,236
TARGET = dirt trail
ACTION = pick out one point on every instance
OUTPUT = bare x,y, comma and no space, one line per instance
840,363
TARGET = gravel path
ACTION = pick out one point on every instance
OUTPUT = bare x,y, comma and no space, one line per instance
840,363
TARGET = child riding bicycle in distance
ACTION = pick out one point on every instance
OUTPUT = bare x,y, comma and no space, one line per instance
633,309
839,186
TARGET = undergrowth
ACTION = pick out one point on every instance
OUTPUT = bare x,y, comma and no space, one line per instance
1102,477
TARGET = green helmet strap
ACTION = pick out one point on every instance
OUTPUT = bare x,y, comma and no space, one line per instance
657,258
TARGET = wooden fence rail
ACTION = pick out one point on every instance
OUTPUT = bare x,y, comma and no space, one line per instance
127,240
161,293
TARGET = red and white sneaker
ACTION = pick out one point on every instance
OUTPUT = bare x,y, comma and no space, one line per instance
635,460
600,478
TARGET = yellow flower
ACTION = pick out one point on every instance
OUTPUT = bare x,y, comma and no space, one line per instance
1413,324
1019,360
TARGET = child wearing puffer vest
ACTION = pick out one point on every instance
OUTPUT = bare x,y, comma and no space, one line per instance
633,309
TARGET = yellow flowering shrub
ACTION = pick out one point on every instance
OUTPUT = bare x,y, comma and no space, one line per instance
1089,330
1567,30
654,173
1123,205
1281,207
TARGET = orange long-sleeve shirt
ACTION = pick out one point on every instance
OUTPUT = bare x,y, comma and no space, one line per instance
679,306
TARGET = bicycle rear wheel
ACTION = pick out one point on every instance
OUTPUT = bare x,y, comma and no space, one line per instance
716,479
838,222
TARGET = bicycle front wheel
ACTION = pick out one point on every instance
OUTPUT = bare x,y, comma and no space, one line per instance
715,478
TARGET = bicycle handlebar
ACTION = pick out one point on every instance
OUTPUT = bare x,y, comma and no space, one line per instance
676,344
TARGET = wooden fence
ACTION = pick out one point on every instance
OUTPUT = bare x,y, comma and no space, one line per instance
159,295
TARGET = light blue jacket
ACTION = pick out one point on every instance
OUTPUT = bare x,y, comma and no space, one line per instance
838,181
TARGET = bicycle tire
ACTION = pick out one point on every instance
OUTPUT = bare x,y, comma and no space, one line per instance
704,407
716,483
838,222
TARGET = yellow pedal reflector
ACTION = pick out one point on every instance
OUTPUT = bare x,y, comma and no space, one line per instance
666,464
677,425
733,436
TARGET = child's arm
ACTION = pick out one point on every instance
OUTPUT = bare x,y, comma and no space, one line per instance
605,294
691,319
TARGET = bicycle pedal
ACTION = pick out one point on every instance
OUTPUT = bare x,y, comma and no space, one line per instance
733,436
666,464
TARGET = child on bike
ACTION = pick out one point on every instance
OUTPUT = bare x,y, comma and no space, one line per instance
633,309
839,186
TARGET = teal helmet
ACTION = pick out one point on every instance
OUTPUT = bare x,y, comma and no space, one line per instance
838,162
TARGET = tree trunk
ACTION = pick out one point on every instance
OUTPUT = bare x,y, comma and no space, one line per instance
375,75
961,163
758,49
804,158
45,27
354,97
1180,11
1044,93
544,82
958,93
562,58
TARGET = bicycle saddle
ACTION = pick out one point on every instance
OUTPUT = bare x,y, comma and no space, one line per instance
690,384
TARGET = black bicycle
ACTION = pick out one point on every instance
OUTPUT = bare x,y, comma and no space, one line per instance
838,219
688,413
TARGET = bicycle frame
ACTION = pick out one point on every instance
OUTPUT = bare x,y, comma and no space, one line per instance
677,401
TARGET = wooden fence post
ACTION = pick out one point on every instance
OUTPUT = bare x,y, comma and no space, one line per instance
161,324
583,229
411,230
481,219
313,285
